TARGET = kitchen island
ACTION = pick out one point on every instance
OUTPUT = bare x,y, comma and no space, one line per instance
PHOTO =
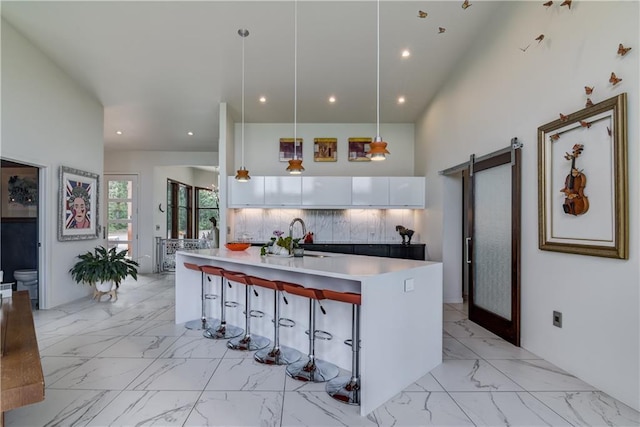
401,312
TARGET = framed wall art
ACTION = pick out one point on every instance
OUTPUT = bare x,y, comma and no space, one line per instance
325,150
287,149
78,205
358,148
582,182
19,192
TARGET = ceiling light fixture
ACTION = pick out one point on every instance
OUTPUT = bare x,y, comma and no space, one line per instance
295,165
378,148
263,99
406,53
401,100
242,174
118,132
190,133
332,99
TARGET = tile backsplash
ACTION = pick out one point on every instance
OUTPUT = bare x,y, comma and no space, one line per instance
328,226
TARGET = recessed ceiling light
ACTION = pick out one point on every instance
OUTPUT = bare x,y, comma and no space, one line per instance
406,53
401,100
263,99
332,99
118,132
190,133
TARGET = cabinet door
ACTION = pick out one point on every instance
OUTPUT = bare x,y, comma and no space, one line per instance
373,250
326,191
406,191
370,191
246,193
283,190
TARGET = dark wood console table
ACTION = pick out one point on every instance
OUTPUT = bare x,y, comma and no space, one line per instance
20,368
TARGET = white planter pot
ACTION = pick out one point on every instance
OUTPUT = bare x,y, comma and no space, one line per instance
105,286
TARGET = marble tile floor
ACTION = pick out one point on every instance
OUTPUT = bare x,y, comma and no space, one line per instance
127,363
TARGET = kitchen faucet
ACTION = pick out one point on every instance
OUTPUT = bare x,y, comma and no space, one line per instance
304,231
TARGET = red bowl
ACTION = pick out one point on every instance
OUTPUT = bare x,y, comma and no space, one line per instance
237,246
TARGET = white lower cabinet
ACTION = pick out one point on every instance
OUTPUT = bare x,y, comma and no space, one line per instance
326,191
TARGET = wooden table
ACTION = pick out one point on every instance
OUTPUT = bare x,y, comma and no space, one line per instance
20,368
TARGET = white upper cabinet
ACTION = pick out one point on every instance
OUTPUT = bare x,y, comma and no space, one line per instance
244,194
326,191
370,191
283,191
406,191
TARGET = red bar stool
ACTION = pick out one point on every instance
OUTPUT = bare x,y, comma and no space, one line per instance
203,322
347,389
277,355
248,342
310,368
222,330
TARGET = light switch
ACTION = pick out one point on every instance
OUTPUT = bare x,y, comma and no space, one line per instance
408,285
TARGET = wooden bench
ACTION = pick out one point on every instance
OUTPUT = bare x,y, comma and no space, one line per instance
22,381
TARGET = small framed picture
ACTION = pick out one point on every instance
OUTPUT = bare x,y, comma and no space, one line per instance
20,190
358,148
288,150
325,150
78,205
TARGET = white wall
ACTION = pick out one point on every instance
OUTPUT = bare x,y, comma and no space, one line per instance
262,144
49,121
500,92
153,168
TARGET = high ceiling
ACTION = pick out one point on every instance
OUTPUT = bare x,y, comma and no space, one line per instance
162,68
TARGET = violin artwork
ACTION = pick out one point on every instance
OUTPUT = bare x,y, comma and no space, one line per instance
575,202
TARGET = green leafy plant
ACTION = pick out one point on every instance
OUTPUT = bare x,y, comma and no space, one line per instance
104,265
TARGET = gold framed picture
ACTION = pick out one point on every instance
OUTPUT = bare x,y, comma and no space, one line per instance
325,150
358,148
288,150
582,182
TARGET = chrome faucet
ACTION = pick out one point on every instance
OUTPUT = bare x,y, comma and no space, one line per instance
304,231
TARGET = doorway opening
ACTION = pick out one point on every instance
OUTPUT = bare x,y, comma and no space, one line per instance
19,212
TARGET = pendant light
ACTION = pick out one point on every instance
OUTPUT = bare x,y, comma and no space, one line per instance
378,148
295,165
242,174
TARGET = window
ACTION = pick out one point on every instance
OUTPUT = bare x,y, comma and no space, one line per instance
207,213
179,210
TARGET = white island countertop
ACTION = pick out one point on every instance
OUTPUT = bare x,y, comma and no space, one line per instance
328,264
400,313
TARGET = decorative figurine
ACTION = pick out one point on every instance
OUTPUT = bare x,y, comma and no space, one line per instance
405,233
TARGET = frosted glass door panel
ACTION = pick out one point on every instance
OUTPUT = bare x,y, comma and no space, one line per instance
492,240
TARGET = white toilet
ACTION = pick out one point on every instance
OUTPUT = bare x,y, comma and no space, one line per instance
27,280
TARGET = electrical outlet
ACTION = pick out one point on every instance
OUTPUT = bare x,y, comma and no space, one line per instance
557,319
409,285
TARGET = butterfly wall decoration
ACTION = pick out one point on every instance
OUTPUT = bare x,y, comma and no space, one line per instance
609,130
422,14
622,51
585,124
540,38
547,4
554,137
589,103
441,30
614,80
466,4
566,3
563,118
524,49
588,90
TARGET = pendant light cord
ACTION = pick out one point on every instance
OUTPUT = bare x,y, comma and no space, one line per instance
295,79
243,37
378,75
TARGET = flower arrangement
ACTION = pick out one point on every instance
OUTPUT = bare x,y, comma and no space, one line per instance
279,245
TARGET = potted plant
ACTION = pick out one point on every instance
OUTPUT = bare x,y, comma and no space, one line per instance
104,269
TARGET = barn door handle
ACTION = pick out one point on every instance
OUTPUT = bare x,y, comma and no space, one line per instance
467,241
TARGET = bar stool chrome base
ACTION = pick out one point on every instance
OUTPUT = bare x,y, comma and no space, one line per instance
223,332
248,343
312,370
345,389
197,325
278,356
